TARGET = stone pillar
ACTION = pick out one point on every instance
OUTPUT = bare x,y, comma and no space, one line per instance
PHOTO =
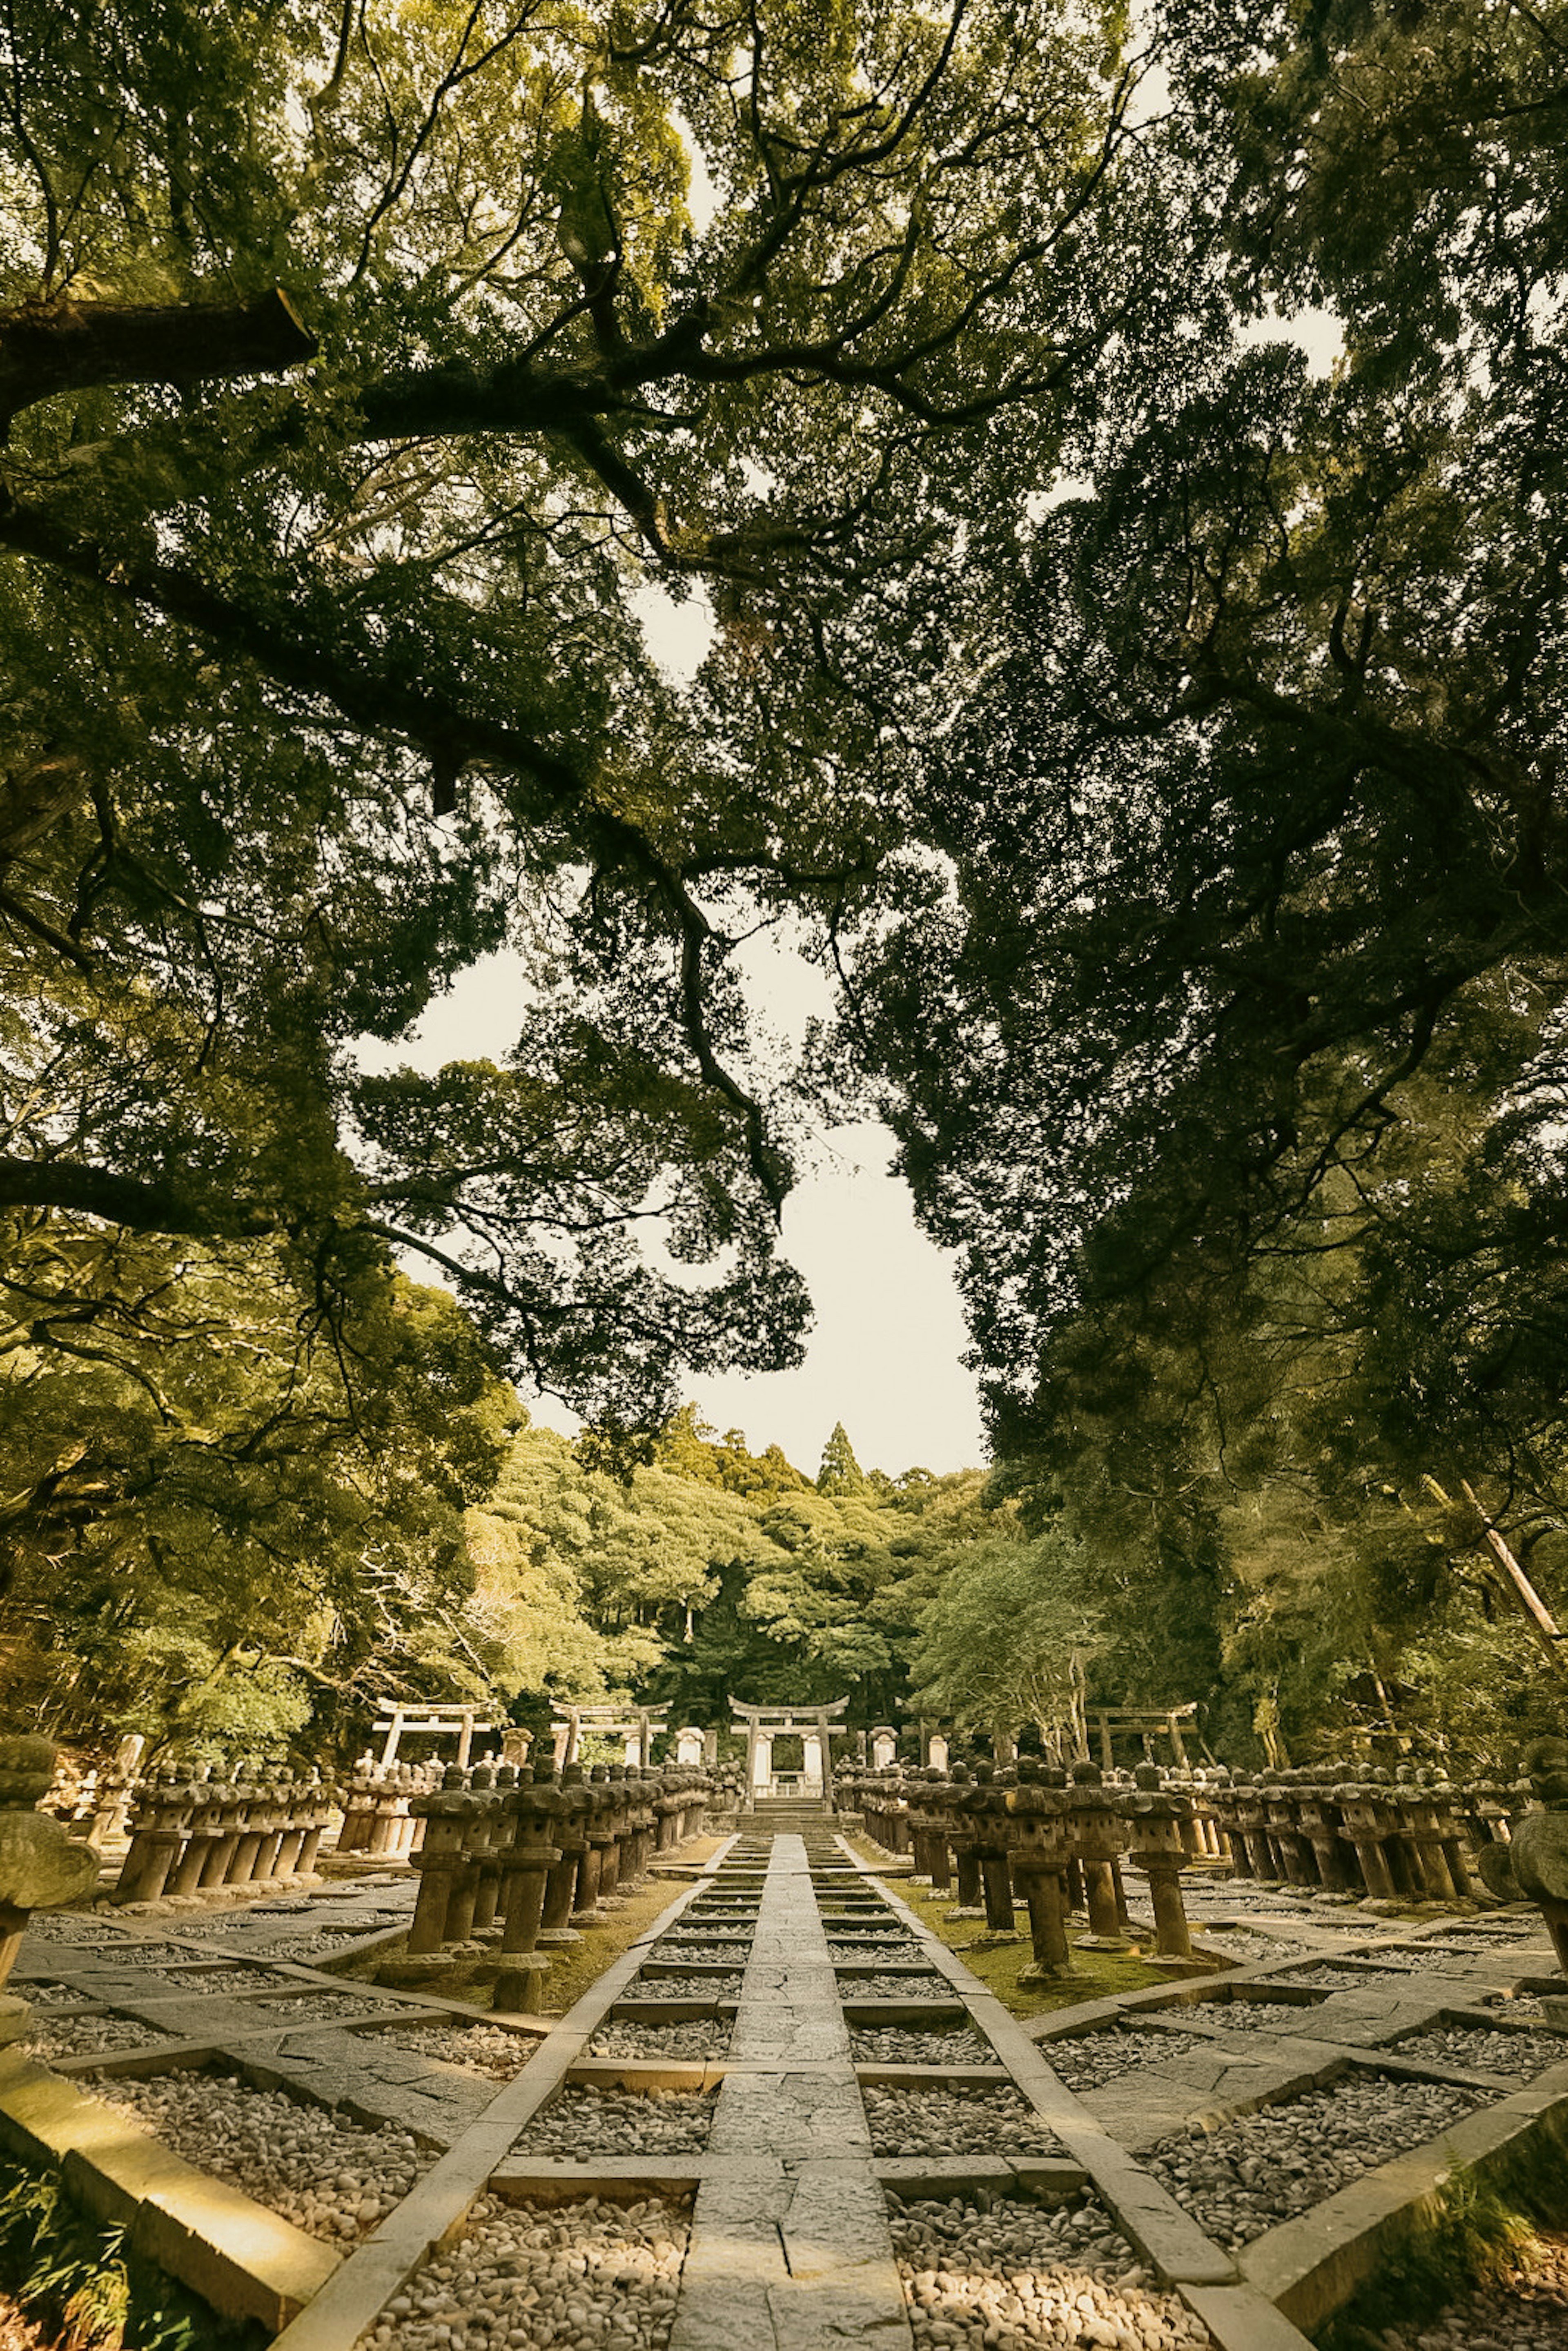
813,1760
761,1761
937,1751
689,1747
530,1856
883,1746
570,1836
157,1832
1096,1835
1155,1831
1040,1864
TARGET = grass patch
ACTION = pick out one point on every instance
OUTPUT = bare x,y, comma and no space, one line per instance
1475,2233
573,1970
80,2283
1099,1974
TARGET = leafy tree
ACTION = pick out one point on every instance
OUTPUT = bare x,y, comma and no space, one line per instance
1224,1041
223,1512
841,1473
364,370
1008,1637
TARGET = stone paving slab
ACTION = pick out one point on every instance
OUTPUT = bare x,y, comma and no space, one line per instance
790,2248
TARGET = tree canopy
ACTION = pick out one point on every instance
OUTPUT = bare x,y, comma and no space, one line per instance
366,368
1156,739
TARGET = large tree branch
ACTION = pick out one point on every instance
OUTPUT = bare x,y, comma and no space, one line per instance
52,346
296,656
144,1207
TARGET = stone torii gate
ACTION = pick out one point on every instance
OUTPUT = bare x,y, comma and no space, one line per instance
815,1726
1147,1723
431,1722
635,1725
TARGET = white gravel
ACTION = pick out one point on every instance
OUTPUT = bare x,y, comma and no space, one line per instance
1257,2015
699,2039
900,2044
316,1947
584,2122
920,1983
321,2007
486,2049
45,1995
1091,2059
646,1987
67,1926
330,2178
955,2122
1015,2276
526,2279
1520,2055
1332,1979
1248,2175
90,2036
697,1955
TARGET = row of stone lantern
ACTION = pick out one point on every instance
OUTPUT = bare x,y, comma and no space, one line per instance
193,1834
1357,1829
1063,1841
378,1819
511,1865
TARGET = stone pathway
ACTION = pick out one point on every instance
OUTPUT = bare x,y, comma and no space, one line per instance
788,2118
790,2238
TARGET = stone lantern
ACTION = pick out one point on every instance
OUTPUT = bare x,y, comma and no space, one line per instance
41,1868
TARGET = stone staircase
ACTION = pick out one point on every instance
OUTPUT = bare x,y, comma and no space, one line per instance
788,1815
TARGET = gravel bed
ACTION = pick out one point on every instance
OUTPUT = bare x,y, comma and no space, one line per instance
920,1983
956,2122
329,2176
697,1954
486,2049
1520,2055
90,2036
1469,1955
900,2044
879,1946
700,2038
132,1953
322,2007
45,1995
314,1947
521,2276
1250,1945
67,1926
1243,2178
584,2122
1334,1978
1091,2059
683,1987
196,1983
1257,2015
1016,2277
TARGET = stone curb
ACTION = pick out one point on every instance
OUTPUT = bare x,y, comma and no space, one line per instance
1310,2266
246,2261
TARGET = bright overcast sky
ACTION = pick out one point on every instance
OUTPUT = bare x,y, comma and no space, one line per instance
883,1354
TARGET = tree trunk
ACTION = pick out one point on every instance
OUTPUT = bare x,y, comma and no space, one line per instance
53,347
1514,1581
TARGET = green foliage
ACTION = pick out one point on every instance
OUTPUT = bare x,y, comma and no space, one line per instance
323,641
80,2279
230,1510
